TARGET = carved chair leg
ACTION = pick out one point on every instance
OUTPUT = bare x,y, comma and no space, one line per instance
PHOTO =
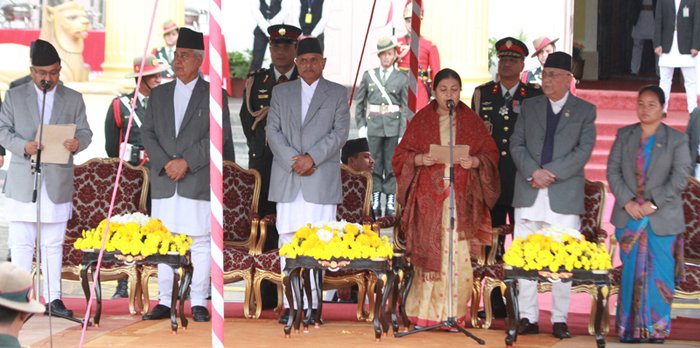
133,284
248,299
372,293
476,299
361,293
257,295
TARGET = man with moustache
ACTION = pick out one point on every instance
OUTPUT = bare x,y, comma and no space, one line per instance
19,122
256,105
176,136
307,125
498,103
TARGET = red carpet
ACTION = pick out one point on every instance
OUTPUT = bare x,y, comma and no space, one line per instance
685,329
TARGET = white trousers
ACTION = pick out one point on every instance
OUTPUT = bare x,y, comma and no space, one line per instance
21,240
527,295
201,264
666,78
287,238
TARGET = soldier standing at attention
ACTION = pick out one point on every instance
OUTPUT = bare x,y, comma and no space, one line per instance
381,112
428,60
498,104
166,54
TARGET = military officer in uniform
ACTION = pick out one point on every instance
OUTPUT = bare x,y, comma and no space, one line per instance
166,54
118,111
380,113
498,104
428,60
117,121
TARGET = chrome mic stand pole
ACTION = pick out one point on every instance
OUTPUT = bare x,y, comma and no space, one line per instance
451,321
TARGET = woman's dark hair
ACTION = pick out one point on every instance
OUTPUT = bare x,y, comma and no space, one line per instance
654,90
446,73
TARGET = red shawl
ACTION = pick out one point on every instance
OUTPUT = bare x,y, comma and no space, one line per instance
421,193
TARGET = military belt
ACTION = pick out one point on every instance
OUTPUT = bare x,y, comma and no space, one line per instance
383,109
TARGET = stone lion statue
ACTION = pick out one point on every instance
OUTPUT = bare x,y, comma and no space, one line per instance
66,26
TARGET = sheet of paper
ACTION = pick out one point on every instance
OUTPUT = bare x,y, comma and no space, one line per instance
442,152
53,138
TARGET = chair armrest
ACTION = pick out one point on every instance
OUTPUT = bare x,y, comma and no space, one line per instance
268,220
601,235
503,230
386,222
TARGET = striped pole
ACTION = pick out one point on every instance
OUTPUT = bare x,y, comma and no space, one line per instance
413,58
215,173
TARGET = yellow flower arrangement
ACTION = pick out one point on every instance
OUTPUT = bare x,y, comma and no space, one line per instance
134,234
338,240
555,248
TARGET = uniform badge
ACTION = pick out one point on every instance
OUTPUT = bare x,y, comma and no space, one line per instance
489,126
503,110
567,113
516,106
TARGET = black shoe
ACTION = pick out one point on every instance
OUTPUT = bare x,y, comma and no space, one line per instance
159,312
58,309
656,340
200,314
313,316
122,290
285,316
560,331
527,328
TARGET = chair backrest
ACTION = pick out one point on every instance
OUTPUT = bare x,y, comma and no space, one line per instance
356,188
241,195
592,218
691,210
94,183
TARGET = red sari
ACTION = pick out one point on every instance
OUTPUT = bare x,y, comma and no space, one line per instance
421,190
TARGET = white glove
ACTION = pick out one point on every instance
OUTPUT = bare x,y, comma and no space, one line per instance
362,132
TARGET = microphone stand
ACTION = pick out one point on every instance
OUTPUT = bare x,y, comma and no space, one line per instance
451,322
36,198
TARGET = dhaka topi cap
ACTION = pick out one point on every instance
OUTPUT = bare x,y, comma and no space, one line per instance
189,38
352,147
43,53
309,45
559,60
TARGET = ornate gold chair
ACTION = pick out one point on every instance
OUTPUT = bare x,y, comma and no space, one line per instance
94,183
355,208
241,194
591,220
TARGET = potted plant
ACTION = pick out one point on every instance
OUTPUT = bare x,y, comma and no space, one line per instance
239,63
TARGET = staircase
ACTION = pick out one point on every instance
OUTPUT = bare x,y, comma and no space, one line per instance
616,109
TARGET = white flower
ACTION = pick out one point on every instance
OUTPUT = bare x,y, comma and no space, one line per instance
138,218
556,232
324,235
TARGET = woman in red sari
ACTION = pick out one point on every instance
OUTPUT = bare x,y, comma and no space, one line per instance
423,193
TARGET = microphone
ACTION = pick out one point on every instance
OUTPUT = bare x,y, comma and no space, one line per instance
450,104
45,84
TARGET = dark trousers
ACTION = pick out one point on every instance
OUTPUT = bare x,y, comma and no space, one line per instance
382,149
498,218
260,42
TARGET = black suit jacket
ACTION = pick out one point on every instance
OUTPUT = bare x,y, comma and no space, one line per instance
688,28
